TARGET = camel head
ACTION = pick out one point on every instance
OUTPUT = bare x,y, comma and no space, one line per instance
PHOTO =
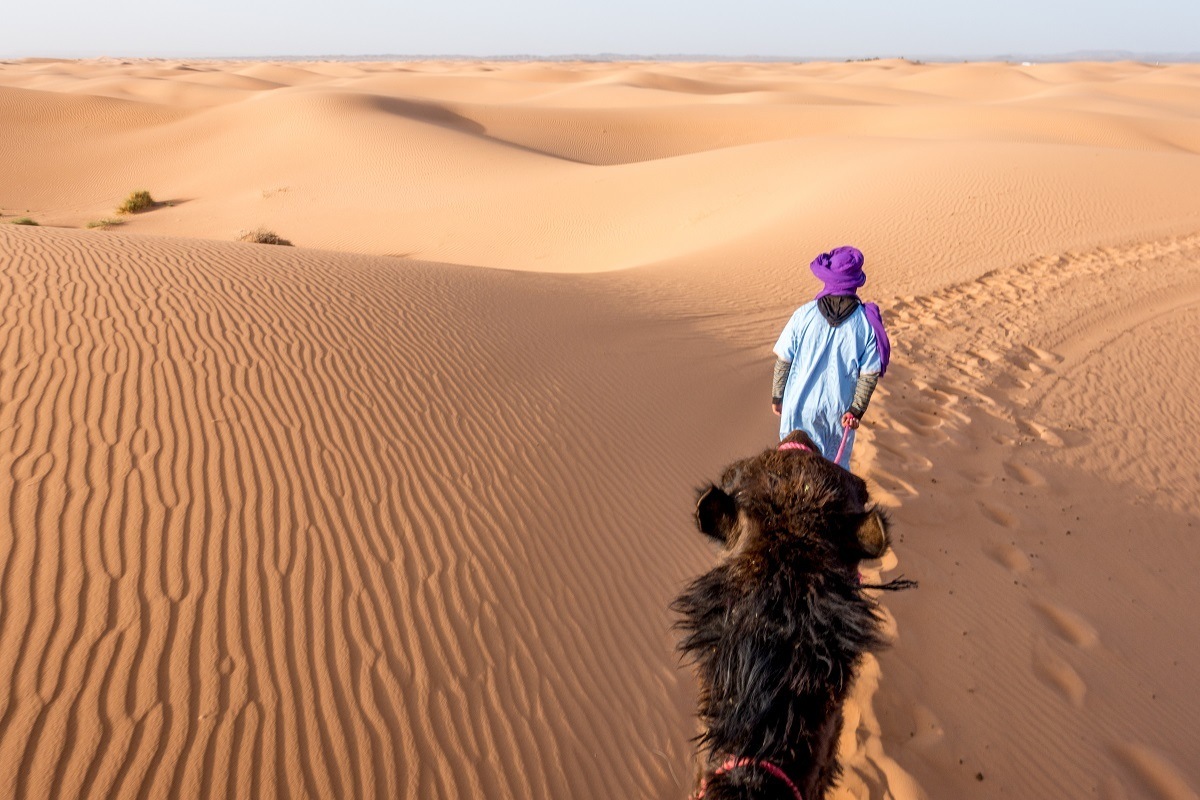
797,495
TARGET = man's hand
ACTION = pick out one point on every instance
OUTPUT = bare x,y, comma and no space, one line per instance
777,408
849,420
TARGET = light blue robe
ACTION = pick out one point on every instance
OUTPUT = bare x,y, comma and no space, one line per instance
826,363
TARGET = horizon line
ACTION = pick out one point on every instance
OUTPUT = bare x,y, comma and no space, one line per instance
1074,55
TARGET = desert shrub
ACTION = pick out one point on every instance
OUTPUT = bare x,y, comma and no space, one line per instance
263,236
105,223
23,221
137,201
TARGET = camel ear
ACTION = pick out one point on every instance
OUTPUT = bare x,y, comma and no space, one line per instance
716,513
873,534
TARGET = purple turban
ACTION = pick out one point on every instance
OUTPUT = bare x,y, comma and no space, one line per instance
841,270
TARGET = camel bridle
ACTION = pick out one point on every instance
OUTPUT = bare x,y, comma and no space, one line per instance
769,767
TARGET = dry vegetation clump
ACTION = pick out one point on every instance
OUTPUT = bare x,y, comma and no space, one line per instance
136,202
106,223
23,221
263,236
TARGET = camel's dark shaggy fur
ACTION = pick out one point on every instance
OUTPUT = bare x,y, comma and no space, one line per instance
778,627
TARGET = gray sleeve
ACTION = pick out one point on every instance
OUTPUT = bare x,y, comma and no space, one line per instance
862,393
782,370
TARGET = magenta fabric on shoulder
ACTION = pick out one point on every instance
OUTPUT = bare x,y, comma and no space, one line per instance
882,343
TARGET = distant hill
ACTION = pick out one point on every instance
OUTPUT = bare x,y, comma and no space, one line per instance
1099,55
1077,55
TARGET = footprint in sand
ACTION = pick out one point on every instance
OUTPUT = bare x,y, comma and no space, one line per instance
1009,382
1069,626
1061,676
998,515
1158,776
906,460
982,479
927,728
940,395
985,355
1010,557
922,423
1045,357
1048,436
1023,474
1032,360
894,486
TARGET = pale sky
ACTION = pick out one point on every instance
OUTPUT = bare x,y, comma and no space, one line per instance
789,28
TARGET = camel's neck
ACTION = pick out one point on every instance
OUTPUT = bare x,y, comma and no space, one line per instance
777,698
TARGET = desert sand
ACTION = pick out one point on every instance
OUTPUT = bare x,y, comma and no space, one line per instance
398,512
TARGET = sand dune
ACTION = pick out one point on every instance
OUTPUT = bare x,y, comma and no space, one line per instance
398,512
384,161
269,537
1059,572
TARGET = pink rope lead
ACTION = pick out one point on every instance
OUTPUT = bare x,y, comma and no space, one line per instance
734,763
842,447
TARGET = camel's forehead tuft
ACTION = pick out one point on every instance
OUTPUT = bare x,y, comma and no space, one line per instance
787,478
